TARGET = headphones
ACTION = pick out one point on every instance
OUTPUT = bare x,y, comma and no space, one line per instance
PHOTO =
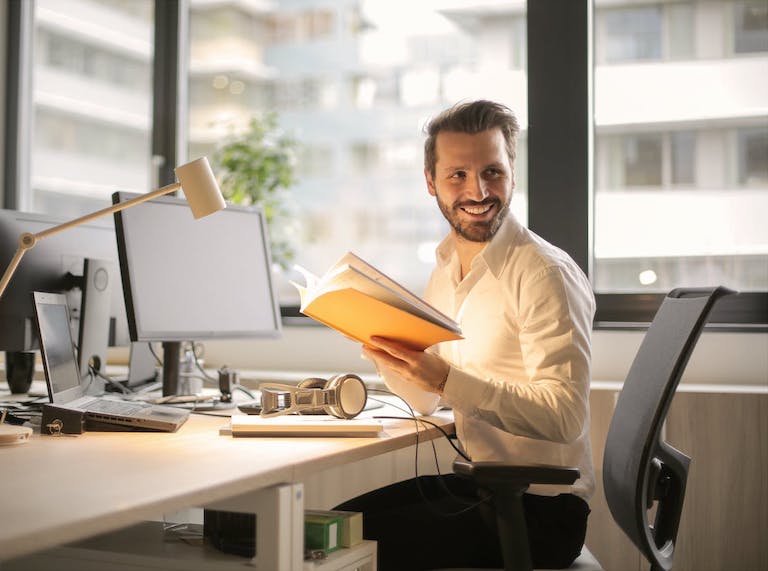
342,396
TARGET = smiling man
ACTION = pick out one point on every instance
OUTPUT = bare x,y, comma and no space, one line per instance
519,380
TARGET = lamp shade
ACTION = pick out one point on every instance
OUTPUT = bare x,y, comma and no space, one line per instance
200,187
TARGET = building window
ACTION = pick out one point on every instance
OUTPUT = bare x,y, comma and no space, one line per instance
681,194
642,160
682,157
354,83
633,34
91,104
753,157
750,27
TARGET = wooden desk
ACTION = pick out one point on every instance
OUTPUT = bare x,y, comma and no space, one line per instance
59,489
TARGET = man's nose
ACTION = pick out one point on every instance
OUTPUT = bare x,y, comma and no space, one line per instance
476,189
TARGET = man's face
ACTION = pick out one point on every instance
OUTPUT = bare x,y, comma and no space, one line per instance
473,182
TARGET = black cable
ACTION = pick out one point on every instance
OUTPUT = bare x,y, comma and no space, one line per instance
246,391
122,388
440,428
470,505
158,360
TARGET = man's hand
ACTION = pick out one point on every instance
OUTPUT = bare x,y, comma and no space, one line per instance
425,370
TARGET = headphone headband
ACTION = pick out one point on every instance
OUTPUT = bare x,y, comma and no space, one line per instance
343,396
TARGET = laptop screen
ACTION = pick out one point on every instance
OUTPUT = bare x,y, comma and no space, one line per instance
58,351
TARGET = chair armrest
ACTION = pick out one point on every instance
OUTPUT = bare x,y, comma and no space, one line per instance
493,474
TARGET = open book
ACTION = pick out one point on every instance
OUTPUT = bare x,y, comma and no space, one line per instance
359,301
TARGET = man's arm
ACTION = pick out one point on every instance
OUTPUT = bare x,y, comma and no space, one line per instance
555,319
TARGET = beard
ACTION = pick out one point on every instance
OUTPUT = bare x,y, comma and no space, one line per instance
475,231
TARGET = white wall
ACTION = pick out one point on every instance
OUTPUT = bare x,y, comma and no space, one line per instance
719,358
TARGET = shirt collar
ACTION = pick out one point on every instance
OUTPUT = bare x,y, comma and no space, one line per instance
495,254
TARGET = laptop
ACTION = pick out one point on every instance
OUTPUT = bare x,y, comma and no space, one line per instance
66,389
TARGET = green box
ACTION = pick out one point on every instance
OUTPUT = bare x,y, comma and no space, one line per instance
351,525
322,531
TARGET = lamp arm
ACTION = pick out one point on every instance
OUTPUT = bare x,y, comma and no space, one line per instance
28,240
109,210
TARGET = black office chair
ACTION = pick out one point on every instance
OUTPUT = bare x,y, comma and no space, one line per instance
640,470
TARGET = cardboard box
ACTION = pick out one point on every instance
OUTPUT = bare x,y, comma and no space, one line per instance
351,525
322,531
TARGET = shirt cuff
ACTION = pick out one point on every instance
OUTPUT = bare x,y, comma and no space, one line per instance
463,391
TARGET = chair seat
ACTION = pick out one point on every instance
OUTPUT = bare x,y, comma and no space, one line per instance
584,562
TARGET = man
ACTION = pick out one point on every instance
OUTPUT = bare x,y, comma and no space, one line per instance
519,380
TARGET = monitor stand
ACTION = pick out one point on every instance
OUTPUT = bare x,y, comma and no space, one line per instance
93,334
171,365
171,370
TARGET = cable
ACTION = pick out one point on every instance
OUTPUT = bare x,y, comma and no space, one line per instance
206,376
244,390
458,450
470,505
123,389
158,360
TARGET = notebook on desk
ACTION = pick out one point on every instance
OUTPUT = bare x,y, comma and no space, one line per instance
67,389
300,425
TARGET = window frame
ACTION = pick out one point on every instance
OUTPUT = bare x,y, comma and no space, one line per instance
560,109
560,100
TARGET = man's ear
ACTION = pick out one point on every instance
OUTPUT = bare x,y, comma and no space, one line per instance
430,183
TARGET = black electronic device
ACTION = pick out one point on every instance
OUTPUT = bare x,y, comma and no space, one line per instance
250,407
54,265
190,280
59,265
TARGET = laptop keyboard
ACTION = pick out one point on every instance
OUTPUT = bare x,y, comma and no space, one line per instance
113,407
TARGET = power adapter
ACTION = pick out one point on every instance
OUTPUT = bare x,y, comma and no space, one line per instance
10,434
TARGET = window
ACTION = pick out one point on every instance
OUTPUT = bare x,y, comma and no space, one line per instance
90,104
355,86
629,33
753,157
642,160
750,27
651,161
680,129
633,34
681,190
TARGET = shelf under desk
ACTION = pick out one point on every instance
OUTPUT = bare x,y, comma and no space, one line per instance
56,490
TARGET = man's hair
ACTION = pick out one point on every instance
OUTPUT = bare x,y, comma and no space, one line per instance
471,117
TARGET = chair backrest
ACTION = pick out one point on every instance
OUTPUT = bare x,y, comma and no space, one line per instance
639,468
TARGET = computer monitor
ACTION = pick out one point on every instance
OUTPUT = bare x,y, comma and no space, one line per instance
188,280
59,264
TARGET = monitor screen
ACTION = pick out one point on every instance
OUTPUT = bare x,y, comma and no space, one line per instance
187,279
55,264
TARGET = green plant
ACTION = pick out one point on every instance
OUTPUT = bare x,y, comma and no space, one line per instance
258,168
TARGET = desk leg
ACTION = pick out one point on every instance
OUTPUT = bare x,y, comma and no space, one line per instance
279,525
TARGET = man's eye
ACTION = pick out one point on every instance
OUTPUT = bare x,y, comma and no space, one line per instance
493,173
459,175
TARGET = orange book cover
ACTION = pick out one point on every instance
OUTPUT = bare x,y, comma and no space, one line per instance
359,301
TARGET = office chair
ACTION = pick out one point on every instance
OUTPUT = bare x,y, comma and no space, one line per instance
640,470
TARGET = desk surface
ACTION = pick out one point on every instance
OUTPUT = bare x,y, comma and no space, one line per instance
59,489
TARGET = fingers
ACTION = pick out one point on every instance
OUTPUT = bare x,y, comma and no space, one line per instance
394,348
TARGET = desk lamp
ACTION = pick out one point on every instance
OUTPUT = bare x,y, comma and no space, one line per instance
196,180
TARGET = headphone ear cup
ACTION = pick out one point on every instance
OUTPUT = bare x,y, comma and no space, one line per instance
350,396
314,383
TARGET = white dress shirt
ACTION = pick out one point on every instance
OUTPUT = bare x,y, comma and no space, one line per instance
519,380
